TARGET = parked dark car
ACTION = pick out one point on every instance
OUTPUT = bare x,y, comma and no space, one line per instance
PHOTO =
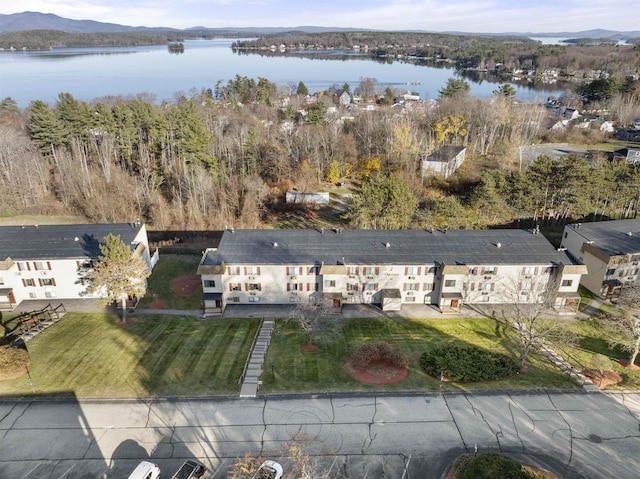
190,470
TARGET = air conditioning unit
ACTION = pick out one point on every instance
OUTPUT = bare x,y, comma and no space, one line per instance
352,277
410,293
528,276
252,277
412,277
369,277
294,277
489,277
252,294
350,294
43,273
18,273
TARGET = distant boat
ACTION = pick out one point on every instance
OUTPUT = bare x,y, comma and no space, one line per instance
414,82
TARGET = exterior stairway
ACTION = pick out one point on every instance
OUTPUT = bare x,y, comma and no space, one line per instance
255,365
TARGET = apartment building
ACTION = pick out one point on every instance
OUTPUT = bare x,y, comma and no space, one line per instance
52,261
389,268
611,252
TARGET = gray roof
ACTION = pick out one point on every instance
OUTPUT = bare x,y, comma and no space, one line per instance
612,237
445,154
60,241
413,247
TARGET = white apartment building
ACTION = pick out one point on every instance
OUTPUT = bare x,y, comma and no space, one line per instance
387,267
611,252
52,261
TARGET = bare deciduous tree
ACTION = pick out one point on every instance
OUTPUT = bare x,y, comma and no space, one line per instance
624,323
316,320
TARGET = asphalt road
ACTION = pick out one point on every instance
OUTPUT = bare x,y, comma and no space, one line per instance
578,435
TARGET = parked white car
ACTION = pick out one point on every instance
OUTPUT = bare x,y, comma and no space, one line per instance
268,470
146,470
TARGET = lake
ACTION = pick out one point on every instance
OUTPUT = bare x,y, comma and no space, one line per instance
90,73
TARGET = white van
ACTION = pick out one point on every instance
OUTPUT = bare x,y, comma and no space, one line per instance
146,470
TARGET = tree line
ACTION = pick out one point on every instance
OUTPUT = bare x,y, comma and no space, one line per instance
226,156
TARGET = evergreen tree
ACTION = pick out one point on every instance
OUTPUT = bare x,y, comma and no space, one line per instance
505,90
47,131
454,88
302,89
119,273
382,202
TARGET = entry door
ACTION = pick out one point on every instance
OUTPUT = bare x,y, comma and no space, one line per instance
455,303
337,303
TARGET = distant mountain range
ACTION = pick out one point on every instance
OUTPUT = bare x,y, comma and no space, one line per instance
47,21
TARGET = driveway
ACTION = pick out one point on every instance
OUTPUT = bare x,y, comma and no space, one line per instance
576,435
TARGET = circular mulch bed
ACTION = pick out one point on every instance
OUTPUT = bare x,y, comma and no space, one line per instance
186,285
310,348
610,377
13,375
158,304
632,367
377,373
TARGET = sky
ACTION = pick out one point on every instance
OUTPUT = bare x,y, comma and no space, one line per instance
482,16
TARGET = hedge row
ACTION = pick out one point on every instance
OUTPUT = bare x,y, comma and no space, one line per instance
467,363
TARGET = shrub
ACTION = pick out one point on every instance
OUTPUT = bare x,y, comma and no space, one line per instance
491,465
467,363
12,360
380,351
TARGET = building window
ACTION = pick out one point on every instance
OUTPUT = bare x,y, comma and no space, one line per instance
353,271
32,295
329,283
48,282
23,266
525,286
611,271
352,287
369,270
1,280
29,282
233,270
254,287
49,294
254,299
411,286
253,270
527,270
40,265
293,287
449,283
235,287
235,299
412,270
410,299
490,270
429,286
370,287
567,282
486,287
209,283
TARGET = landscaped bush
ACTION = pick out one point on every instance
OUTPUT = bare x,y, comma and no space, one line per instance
380,351
467,363
12,360
490,465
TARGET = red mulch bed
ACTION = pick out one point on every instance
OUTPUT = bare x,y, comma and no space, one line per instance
310,348
186,285
14,375
632,367
378,372
158,304
610,377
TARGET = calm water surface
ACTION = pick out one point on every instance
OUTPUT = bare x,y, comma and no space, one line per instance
89,73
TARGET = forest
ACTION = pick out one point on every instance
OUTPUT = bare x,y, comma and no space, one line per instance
226,156
469,51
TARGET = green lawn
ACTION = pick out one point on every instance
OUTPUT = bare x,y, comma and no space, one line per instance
593,340
92,355
288,368
169,267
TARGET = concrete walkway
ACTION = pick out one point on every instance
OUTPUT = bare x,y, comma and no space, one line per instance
591,309
255,365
